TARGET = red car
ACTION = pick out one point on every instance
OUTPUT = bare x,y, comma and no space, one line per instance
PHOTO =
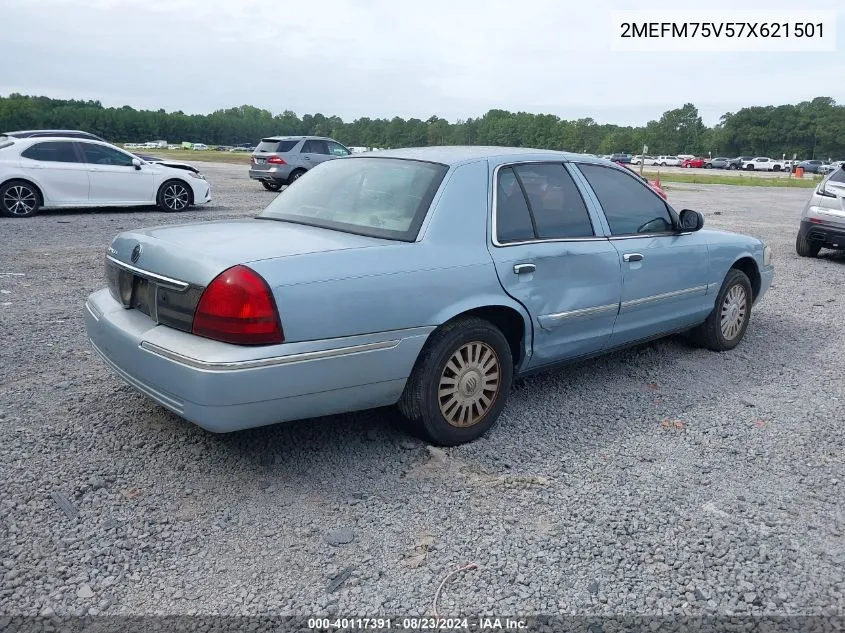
693,162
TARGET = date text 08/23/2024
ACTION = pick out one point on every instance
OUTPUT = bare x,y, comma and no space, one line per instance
419,624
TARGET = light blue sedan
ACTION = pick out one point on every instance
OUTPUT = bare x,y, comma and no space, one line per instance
426,278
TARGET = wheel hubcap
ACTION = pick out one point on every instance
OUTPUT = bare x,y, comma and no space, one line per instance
734,310
176,197
20,200
469,384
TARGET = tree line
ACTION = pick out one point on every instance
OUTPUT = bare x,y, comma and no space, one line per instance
810,129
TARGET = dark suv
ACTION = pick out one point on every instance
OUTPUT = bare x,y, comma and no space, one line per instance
279,160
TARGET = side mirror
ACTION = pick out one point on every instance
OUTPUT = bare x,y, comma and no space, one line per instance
691,220
137,163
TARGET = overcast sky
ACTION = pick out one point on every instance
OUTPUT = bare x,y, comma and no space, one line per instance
382,58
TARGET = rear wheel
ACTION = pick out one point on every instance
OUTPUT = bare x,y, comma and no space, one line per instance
806,248
296,175
727,323
271,185
460,382
174,195
19,199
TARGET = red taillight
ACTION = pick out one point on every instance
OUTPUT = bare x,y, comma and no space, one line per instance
238,307
275,160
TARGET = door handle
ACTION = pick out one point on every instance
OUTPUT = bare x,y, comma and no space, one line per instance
519,269
632,257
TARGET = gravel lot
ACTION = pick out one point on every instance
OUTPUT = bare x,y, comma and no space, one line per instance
659,480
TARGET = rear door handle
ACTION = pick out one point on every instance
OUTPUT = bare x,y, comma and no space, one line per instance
520,269
632,257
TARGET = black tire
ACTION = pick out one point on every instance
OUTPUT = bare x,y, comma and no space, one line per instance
805,247
731,167
708,166
19,199
710,334
295,175
272,185
422,403
174,196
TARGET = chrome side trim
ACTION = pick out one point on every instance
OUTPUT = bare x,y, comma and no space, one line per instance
236,365
549,321
181,285
661,297
636,236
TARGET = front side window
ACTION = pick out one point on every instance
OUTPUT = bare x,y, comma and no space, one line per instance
51,151
336,149
630,206
379,197
102,155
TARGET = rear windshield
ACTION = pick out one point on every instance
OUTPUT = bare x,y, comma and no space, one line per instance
378,197
269,145
838,175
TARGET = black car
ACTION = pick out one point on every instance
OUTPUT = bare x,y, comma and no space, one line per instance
621,158
60,133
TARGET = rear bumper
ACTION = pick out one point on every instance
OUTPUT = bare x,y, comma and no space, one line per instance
828,234
281,172
224,388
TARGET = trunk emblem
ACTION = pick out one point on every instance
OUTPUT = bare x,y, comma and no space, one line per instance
136,253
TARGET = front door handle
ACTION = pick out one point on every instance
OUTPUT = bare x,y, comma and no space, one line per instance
520,269
632,257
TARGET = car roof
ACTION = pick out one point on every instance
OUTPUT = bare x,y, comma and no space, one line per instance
453,155
297,138
30,133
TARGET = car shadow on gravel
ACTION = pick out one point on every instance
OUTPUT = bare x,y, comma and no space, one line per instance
586,404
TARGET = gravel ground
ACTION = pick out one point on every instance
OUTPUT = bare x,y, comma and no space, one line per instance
660,480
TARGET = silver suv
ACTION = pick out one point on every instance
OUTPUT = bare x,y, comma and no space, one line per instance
279,160
823,218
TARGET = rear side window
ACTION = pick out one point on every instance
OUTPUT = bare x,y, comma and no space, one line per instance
513,219
315,147
539,201
630,206
270,145
51,151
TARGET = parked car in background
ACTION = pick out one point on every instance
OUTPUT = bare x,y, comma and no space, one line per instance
763,163
823,218
693,162
684,157
280,160
812,166
739,162
199,147
58,172
831,167
645,160
717,163
52,133
668,161
624,159
291,315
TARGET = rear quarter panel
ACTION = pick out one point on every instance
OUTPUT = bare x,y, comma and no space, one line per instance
398,286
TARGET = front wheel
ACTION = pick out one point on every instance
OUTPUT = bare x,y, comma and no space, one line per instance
173,196
725,327
19,199
460,382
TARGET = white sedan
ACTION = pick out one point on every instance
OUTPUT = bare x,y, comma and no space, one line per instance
53,172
